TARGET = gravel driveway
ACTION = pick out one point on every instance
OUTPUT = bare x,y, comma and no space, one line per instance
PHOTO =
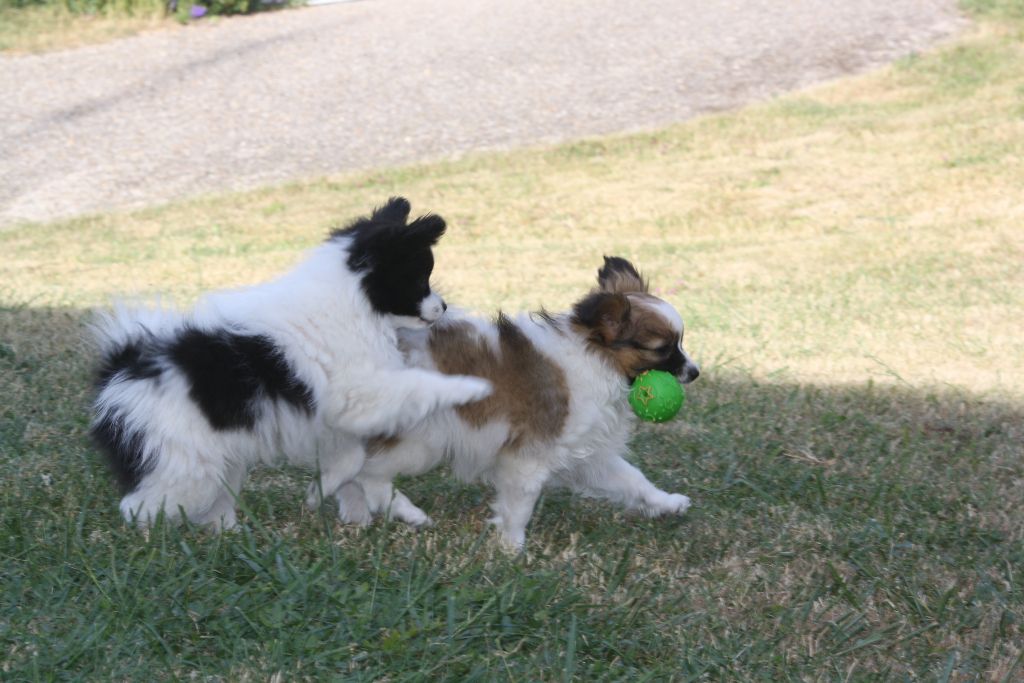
233,104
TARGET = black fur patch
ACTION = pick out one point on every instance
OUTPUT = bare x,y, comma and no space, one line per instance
673,362
395,258
123,448
134,360
231,374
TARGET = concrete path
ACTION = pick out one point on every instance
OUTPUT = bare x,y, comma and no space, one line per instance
248,101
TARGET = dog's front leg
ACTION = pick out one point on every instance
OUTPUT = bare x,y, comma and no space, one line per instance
612,478
392,401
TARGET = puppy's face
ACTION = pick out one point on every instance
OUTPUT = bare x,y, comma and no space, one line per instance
396,262
637,331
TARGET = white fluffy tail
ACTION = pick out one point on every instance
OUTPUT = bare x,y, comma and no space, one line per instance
126,322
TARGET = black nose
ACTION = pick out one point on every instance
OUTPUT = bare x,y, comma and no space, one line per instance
444,307
692,373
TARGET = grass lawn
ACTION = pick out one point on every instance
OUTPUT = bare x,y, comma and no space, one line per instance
850,264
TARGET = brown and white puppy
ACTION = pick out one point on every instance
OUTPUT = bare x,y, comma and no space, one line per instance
558,415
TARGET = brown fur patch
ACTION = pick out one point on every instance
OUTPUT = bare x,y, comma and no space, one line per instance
619,276
379,444
530,391
625,329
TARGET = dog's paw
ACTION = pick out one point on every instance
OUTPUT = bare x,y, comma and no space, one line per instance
354,513
226,522
406,511
313,497
676,504
415,518
510,540
668,504
513,543
352,505
465,389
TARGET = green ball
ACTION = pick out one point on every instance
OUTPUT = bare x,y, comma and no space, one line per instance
656,396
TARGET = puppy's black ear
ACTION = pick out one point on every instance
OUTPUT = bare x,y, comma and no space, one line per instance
384,235
620,276
378,225
425,230
395,211
605,314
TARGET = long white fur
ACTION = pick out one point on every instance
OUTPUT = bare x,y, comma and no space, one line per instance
343,350
586,457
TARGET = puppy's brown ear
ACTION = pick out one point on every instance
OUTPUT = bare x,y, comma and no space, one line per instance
620,276
606,315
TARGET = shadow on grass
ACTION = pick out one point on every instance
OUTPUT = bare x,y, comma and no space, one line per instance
866,528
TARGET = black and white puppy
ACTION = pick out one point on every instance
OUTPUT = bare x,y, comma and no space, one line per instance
558,415
304,367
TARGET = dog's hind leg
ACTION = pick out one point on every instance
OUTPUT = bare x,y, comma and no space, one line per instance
141,508
187,483
410,456
341,465
196,498
612,478
352,506
222,514
382,497
518,481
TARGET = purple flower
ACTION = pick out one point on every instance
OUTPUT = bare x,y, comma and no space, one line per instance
197,11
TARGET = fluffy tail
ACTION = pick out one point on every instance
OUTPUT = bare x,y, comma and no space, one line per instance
128,323
129,340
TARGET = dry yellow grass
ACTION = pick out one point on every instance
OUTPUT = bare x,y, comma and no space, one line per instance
869,228
52,27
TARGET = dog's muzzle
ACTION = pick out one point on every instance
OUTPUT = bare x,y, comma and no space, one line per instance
432,308
690,373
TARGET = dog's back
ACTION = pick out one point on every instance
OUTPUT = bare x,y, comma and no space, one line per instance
531,396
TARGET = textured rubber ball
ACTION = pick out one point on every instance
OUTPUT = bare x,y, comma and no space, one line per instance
656,396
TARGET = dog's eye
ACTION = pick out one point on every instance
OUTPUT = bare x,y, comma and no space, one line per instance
662,350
